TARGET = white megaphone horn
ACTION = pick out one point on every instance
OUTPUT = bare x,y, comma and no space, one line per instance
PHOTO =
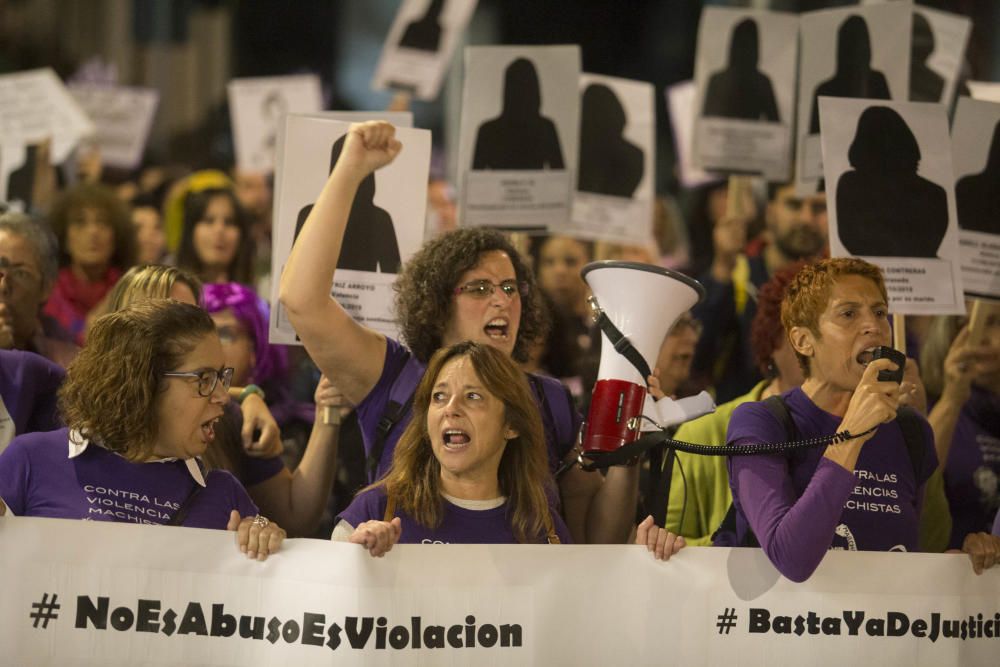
634,305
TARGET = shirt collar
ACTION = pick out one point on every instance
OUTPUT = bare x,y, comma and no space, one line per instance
78,444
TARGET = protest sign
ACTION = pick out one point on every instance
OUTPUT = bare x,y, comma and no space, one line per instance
122,117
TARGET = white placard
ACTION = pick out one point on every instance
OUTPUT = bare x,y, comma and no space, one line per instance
614,196
891,198
681,104
420,44
122,117
837,44
256,108
385,228
518,141
938,51
988,91
976,160
745,77
35,104
96,593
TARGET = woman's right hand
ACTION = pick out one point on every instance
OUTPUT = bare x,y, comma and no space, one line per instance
873,402
377,536
369,146
959,368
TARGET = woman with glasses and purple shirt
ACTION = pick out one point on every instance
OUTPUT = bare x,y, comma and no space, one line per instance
135,428
467,285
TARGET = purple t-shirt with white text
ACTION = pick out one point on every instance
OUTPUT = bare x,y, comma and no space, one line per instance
458,525
37,478
804,504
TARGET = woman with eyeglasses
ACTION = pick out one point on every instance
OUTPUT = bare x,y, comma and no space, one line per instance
141,402
469,284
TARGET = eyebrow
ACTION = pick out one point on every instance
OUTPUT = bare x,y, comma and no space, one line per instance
858,304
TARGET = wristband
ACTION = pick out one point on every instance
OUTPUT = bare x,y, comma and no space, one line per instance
250,389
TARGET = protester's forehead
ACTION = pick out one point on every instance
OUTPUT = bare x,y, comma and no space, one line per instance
853,288
18,249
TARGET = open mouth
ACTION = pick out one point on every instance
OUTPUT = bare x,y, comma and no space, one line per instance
455,438
208,429
497,328
866,356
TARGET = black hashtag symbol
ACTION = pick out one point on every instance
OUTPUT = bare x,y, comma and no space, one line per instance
727,621
45,610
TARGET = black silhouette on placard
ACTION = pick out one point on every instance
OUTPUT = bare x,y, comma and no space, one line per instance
424,34
741,90
926,85
884,209
978,195
854,76
520,137
609,163
370,238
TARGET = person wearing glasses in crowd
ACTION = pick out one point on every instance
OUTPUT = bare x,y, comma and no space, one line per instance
134,431
469,284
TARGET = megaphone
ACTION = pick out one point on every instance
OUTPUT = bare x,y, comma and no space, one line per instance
634,305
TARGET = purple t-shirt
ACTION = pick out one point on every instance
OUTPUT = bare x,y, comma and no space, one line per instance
972,473
458,525
28,386
802,505
373,406
37,478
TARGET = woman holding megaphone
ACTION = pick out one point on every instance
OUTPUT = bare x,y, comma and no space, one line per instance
470,284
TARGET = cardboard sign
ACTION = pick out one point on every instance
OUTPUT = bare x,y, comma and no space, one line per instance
681,105
938,51
257,107
891,198
387,218
420,44
35,105
518,143
122,117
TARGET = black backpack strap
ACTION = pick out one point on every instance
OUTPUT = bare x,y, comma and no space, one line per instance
400,401
779,409
178,518
912,426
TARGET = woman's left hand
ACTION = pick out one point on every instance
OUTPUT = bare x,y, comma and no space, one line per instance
660,541
983,550
257,417
256,536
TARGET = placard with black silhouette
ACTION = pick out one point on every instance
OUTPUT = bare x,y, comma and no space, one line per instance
386,224
420,44
256,107
614,185
518,142
975,136
937,53
891,198
745,77
35,105
681,106
122,116
850,52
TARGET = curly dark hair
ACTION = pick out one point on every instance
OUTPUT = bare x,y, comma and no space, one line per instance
424,290
112,386
87,195
766,330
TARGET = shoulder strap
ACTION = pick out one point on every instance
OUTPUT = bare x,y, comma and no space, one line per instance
400,401
913,436
779,409
178,518
557,407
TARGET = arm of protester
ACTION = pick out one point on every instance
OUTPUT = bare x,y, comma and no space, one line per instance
339,345
873,403
257,537
660,541
257,417
377,536
959,369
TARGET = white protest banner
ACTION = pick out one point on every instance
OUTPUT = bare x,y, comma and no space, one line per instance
988,91
614,189
420,45
975,136
938,51
122,117
745,77
34,105
256,108
387,219
847,52
517,151
891,198
95,593
680,104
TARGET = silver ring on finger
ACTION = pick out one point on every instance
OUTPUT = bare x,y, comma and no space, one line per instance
261,521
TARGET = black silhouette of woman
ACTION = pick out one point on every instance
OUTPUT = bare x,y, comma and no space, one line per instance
741,90
926,85
978,195
370,238
884,209
424,34
520,137
854,76
609,163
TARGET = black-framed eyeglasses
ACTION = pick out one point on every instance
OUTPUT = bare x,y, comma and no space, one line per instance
208,379
482,289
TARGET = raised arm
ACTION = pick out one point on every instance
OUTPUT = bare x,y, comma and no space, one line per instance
343,349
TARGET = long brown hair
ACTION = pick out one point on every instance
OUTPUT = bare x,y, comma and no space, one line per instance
414,478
